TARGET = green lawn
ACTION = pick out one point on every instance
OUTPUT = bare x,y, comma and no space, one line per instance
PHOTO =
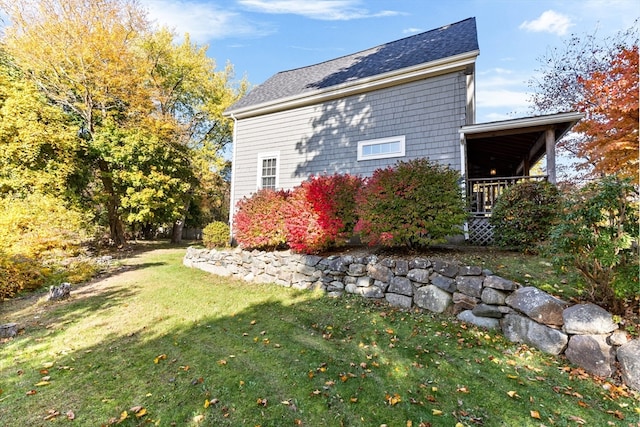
176,346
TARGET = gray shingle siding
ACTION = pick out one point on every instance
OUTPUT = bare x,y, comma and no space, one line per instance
323,138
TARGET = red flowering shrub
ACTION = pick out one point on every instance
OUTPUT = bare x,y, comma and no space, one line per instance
321,212
259,222
416,203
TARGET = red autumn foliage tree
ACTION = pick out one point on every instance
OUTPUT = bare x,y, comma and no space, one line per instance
599,77
611,122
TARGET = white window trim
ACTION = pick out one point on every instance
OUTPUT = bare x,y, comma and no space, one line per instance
362,144
261,157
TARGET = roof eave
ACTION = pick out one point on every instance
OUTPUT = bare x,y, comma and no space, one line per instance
392,78
571,118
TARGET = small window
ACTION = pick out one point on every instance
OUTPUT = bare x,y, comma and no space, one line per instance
381,148
268,164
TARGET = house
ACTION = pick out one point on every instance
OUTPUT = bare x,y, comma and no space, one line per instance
407,99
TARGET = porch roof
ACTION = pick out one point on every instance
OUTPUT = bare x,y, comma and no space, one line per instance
512,146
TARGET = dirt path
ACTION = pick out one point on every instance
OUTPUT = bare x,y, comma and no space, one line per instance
31,310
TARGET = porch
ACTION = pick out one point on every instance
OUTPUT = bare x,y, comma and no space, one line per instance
497,155
482,194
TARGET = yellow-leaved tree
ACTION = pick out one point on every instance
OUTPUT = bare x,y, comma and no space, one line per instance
81,54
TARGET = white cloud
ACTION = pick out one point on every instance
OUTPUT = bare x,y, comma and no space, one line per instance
550,21
327,10
412,30
203,21
502,88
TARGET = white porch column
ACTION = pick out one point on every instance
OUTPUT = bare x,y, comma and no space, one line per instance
550,140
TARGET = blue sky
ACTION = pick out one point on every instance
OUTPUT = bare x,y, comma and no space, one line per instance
262,37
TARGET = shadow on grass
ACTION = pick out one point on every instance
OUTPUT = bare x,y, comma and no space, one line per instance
309,361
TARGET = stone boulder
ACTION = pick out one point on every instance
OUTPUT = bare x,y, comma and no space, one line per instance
8,330
497,282
380,272
443,282
367,292
483,322
464,301
493,297
401,285
419,275
432,298
629,357
486,310
588,319
537,305
445,268
398,300
60,292
592,353
518,328
470,285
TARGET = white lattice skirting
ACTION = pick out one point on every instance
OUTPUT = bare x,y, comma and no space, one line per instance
480,231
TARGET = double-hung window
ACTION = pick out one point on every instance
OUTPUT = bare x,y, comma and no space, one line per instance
268,164
381,148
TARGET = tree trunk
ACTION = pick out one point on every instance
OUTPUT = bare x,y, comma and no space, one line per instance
178,225
176,231
116,229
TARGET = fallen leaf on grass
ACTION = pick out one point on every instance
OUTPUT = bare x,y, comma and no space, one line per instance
198,419
42,383
31,392
577,420
436,412
393,400
261,402
70,415
159,358
139,411
535,414
619,415
462,390
52,413
48,365
512,394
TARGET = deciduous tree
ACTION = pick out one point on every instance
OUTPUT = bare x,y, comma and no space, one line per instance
600,78
81,54
190,95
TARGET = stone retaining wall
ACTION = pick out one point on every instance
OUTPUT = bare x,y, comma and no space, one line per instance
585,333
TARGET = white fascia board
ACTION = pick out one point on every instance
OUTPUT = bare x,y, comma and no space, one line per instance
379,81
521,123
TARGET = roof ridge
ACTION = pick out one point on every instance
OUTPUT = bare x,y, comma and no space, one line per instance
375,47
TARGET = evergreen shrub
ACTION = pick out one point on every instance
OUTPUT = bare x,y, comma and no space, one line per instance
524,214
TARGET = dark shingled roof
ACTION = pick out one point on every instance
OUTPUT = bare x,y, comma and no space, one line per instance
429,46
